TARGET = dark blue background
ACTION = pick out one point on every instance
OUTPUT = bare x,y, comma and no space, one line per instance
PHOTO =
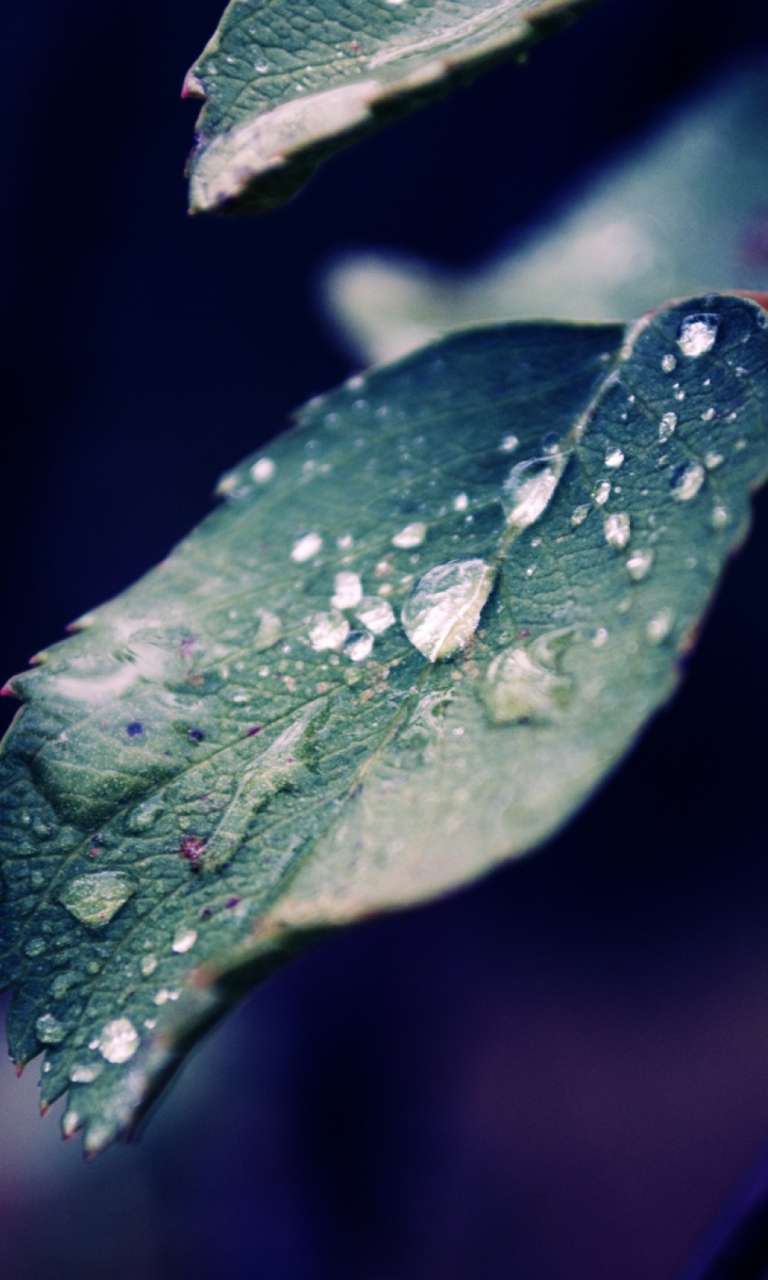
559,1074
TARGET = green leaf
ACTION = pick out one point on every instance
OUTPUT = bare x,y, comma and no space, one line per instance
286,84
415,637
683,215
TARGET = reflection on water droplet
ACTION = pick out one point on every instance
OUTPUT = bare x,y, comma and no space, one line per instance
305,547
668,362
261,65
580,514
712,460
529,487
328,631
617,528
95,899
185,939
348,591
602,493
509,443
686,480
49,1030
614,458
85,1075
411,536
375,614
263,470
148,965
599,638
659,627
358,645
118,1041
520,684
708,415
460,502
720,517
443,612
639,564
667,427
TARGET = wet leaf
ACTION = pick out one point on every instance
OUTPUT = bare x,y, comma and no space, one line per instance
420,630
686,213
287,84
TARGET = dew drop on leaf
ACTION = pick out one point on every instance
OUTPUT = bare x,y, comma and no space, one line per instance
443,612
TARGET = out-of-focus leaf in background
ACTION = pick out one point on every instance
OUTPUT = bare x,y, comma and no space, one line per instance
686,213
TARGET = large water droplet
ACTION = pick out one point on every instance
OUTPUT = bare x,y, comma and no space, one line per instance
614,458
348,591
686,480
617,528
328,631
375,614
119,1040
520,683
49,1030
443,612
95,899
698,334
529,487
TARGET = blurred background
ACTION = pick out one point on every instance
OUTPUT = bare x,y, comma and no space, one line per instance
562,1072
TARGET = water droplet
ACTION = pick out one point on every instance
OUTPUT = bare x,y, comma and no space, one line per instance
600,638
261,65
305,547
509,444
602,493
411,536
719,517
460,502
263,470
580,514
82,1074
348,591
148,965
679,394
659,626
667,427
708,415
375,614
35,947
269,632
443,612
529,487
49,1030
698,334
358,645
164,995
686,480
617,528
668,362
639,564
328,631
95,899
712,460
184,940
521,685
614,458
118,1041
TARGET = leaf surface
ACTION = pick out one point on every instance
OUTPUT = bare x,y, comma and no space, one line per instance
286,83
410,643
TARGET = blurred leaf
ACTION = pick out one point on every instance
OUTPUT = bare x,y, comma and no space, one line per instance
417,635
288,84
686,213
